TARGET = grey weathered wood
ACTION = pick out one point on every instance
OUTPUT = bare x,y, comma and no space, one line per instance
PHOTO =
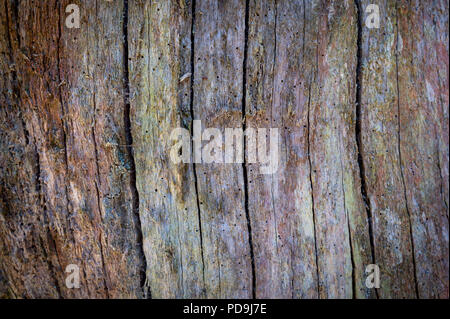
423,132
219,40
277,97
380,154
341,226
160,49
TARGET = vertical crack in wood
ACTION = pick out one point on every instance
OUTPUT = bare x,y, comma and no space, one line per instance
194,169
441,186
309,154
416,287
271,118
308,126
362,174
352,257
312,189
442,105
271,121
244,164
146,289
97,182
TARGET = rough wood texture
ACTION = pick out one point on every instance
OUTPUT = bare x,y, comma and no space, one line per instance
86,176
159,42
66,194
404,129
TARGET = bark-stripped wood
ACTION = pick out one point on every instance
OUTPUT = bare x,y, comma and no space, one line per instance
85,171
159,39
423,141
381,159
277,84
66,100
403,126
340,218
219,33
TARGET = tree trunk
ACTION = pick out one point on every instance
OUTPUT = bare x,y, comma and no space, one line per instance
86,176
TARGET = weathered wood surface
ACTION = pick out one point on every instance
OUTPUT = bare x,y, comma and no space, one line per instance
86,175
66,192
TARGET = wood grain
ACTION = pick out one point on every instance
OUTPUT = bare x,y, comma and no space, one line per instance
86,176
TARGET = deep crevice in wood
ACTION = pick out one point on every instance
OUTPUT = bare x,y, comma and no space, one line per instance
308,124
244,164
194,168
352,257
312,190
129,141
359,146
441,186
